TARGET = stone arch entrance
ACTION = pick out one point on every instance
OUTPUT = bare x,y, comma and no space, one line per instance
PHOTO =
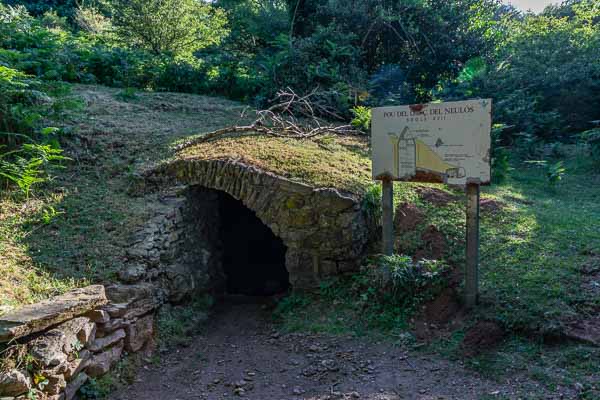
253,258
324,232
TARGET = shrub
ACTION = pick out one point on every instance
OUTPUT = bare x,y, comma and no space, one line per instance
26,149
362,118
326,60
555,173
178,27
405,282
91,20
371,203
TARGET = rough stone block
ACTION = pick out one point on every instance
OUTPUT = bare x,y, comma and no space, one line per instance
48,349
132,310
101,363
110,327
87,334
53,347
74,367
129,293
73,387
180,282
328,268
115,310
40,316
104,342
98,316
138,333
132,273
14,383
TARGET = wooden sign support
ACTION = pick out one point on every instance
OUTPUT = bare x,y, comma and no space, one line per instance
388,216
472,253
446,143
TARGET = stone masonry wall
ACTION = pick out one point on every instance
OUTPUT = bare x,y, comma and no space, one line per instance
325,232
178,248
56,345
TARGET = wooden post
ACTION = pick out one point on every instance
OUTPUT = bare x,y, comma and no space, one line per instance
388,216
472,265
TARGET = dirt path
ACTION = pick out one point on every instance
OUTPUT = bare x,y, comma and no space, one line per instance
240,354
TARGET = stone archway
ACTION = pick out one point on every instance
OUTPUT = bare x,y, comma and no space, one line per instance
325,233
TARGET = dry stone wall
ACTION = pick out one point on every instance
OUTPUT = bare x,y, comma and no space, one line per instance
178,249
55,346
325,231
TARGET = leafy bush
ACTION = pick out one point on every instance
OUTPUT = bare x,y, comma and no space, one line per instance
390,291
362,118
93,390
90,19
41,7
325,60
26,149
55,54
555,173
178,27
371,203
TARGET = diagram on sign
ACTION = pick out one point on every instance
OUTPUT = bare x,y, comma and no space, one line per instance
437,142
413,157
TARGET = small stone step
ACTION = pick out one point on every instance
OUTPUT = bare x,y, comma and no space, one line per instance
40,316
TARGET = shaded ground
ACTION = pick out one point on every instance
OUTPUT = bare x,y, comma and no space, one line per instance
241,354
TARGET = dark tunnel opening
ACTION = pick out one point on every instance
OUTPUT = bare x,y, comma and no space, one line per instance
253,257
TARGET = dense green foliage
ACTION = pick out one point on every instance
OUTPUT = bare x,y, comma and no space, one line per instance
27,148
543,71
178,27
544,75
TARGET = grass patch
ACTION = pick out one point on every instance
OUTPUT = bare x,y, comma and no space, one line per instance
536,241
339,162
380,299
75,229
178,324
534,250
566,365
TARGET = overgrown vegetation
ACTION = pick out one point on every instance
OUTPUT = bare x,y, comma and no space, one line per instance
27,148
65,203
382,297
355,57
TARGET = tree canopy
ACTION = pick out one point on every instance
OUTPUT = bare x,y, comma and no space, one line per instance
180,27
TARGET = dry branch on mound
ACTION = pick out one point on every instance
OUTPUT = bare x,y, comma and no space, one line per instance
292,116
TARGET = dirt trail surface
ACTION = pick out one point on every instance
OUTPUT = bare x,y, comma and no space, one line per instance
241,355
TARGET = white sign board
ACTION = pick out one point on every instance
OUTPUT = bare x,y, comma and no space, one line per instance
437,142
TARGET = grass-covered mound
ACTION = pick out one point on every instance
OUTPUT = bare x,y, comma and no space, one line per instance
341,162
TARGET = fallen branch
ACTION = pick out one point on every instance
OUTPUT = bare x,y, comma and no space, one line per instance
292,116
